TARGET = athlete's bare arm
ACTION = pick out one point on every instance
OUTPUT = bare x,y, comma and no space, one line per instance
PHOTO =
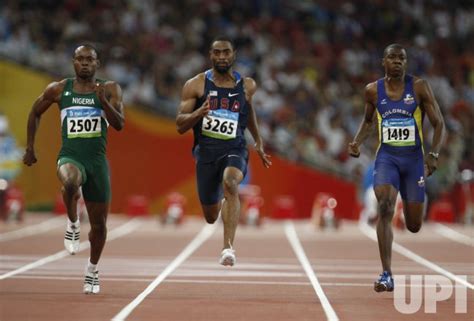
110,96
250,87
429,104
51,95
186,117
368,121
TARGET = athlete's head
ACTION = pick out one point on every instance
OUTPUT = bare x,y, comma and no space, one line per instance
86,61
222,54
394,60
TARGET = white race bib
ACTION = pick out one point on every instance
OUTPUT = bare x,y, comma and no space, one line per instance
398,132
84,123
220,124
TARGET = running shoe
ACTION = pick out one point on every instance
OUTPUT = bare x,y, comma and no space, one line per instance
72,237
91,282
227,257
384,283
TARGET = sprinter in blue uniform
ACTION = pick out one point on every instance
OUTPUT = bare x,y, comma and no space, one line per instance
217,105
397,103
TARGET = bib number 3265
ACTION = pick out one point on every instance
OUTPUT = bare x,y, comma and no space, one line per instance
220,124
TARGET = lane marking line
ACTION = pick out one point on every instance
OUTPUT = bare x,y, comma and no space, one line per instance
370,233
453,235
299,251
33,229
116,233
203,235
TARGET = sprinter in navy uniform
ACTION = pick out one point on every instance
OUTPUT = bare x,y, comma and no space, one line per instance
217,105
398,103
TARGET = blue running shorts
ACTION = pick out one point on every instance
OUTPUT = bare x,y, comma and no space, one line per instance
405,173
209,174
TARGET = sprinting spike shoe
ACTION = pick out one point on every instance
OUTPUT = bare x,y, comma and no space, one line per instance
227,257
72,237
91,282
384,283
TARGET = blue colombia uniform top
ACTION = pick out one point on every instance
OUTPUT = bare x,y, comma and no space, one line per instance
399,122
223,129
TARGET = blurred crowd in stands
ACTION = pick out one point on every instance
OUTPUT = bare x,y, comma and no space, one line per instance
311,60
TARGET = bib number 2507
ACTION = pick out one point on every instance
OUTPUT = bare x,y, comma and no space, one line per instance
83,127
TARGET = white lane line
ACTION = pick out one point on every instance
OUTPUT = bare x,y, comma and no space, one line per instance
453,235
370,233
33,229
120,231
299,251
203,235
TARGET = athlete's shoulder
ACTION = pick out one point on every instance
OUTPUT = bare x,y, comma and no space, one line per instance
195,85
196,81
54,89
110,85
419,82
58,85
371,90
422,89
250,85
200,77
106,81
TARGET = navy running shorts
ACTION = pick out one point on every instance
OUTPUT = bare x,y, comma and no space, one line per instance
209,174
405,173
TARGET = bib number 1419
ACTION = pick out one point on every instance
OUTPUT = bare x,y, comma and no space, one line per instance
398,133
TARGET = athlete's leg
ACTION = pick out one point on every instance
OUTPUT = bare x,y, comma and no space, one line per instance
71,179
98,218
209,190
97,235
412,190
211,212
3,204
386,196
231,206
97,194
413,212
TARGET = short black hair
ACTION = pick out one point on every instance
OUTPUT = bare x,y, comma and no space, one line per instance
223,38
392,46
87,45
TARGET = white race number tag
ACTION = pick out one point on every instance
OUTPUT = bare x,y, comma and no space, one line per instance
220,124
84,123
398,132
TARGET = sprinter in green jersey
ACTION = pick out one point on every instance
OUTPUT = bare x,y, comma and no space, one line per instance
88,106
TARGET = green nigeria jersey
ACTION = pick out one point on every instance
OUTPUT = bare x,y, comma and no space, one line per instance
83,124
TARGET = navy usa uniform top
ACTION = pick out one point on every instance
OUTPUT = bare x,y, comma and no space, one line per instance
400,121
223,128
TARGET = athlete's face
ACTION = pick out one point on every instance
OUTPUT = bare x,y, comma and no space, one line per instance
395,62
222,56
85,62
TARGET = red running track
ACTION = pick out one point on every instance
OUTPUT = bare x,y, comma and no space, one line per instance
268,282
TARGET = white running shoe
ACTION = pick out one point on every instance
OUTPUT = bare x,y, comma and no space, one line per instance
91,282
227,257
72,237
